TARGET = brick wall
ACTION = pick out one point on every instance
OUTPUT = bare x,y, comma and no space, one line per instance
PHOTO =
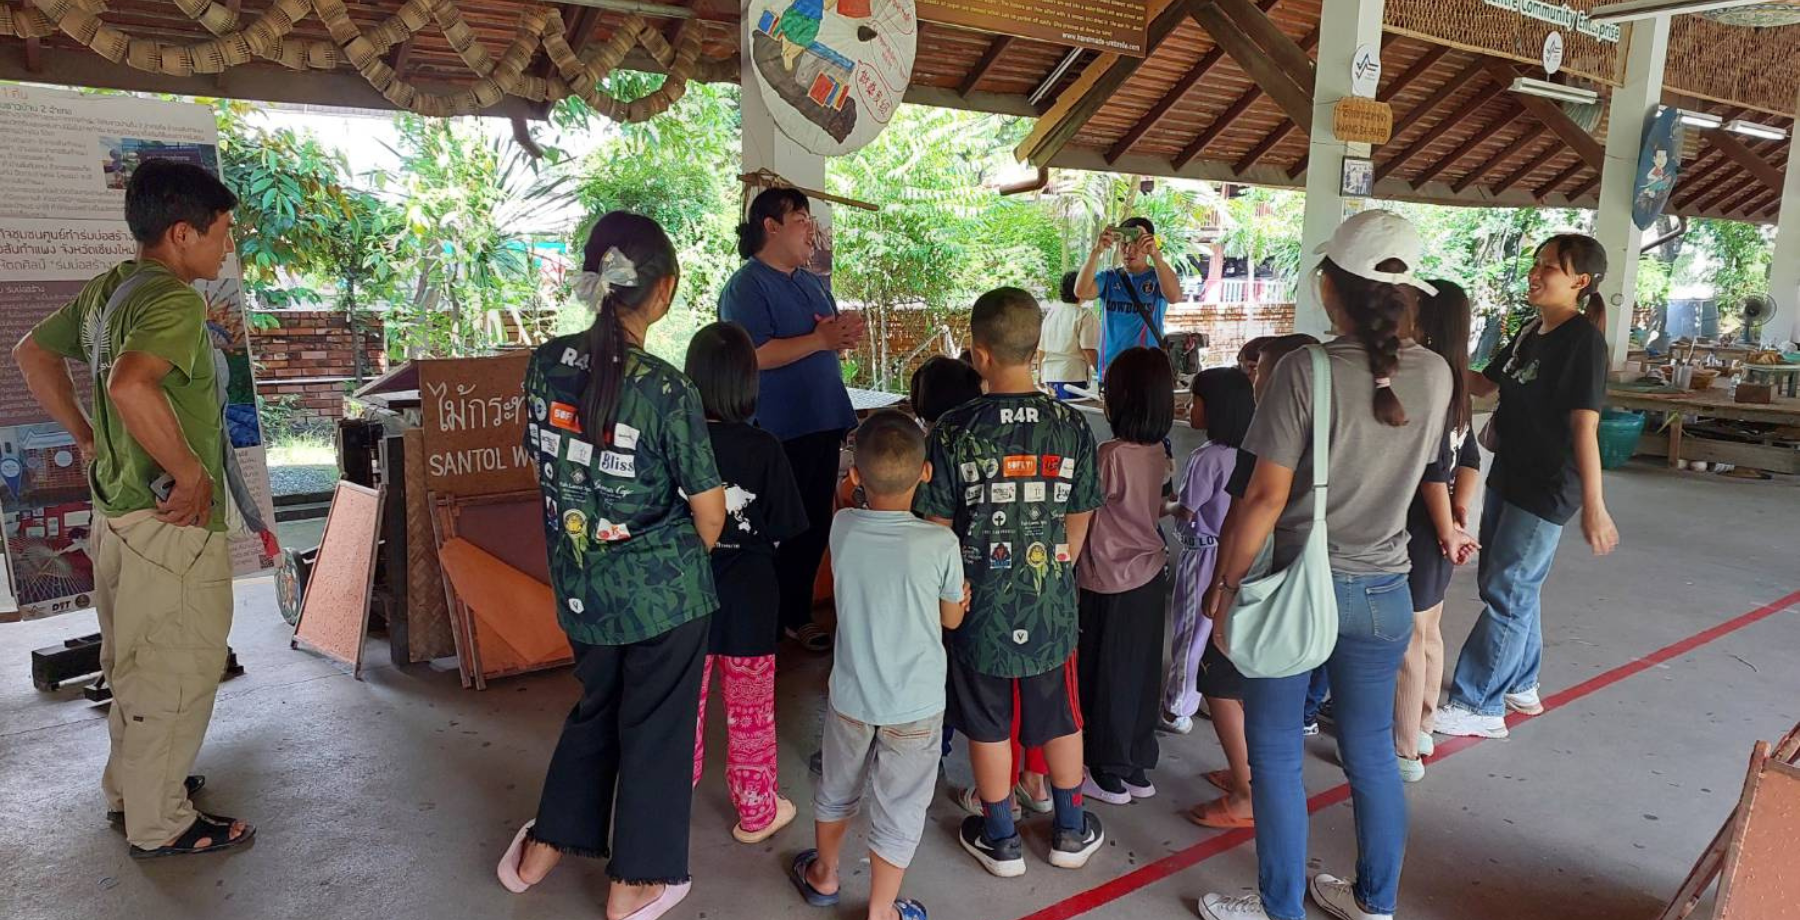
310,361
1227,327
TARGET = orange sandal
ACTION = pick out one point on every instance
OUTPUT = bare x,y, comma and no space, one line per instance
1217,813
1221,779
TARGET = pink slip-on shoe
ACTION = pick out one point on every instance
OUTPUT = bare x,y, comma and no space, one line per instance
509,864
665,902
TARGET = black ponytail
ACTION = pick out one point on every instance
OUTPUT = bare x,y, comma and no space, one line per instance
770,204
1379,314
643,243
1580,254
1443,326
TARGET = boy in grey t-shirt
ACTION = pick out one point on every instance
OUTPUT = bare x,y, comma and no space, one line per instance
898,581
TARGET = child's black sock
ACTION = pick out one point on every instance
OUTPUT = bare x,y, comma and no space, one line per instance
1069,816
999,824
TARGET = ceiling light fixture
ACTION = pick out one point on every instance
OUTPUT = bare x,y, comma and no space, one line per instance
1645,9
1703,120
1752,129
1559,92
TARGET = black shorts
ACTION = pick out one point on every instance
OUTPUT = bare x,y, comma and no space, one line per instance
981,706
1430,577
1219,678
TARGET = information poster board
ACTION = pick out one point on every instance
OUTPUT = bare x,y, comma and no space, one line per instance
473,415
1118,26
64,161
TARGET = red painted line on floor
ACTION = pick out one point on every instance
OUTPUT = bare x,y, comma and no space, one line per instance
1152,873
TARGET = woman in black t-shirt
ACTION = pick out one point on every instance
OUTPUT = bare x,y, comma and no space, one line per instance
1552,382
763,508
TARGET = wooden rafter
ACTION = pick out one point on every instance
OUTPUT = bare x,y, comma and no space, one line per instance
1438,98
1757,202
1556,181
1762,169
1519,144
1173,97
1705,194
1467,147
1723,191
1231,114
1455,119
1277,64
1530,166
1287,125
402,58
1700,179
1733,199
34,54
983,67
1094,88
1583,143
1587,185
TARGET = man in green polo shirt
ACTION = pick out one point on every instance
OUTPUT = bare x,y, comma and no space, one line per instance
155,448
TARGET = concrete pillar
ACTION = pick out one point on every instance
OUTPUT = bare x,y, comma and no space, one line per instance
1646,45
1784,280
1345,25
765,147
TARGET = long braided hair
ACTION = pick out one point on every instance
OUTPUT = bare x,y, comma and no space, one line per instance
1380,314
631,255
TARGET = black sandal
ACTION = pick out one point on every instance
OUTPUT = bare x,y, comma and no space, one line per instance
205,827
193,783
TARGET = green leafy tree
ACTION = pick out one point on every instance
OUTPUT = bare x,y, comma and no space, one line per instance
1735,257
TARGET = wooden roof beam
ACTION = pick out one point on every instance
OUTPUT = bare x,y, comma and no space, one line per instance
34,54
1525,139
1750,188
1726,190
1287,125
983,67
1474,103
1695,180
1556,181
1757,202
1218,126
1552,115
1467,147
1276,63
1094,88
1173,97
1442,95
1533,165
1587,185
1762,169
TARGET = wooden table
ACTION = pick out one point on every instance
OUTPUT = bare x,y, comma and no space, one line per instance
1785,378
1713,403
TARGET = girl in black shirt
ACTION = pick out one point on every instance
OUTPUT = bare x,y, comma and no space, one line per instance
1552,382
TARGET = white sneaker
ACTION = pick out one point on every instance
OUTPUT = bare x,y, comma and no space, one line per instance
1242,907
1335,895
1412,769
1180,725
1456,721
1427,746
1527,702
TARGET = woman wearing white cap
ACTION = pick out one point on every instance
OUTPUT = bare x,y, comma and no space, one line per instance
1386,426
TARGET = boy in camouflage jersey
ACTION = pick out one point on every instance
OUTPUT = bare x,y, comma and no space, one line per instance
1016,481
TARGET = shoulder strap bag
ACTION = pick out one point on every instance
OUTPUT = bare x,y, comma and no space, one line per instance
1285,622
1143,309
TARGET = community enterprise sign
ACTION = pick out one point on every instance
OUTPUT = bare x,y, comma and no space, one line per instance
1561,15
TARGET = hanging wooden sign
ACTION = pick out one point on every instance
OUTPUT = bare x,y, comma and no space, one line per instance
1362,121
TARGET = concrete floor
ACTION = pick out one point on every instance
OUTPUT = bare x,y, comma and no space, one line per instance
394,796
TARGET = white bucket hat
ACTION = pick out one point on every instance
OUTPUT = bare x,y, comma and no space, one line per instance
1371,238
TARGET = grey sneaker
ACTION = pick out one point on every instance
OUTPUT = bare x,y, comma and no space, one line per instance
1073,849
1240,907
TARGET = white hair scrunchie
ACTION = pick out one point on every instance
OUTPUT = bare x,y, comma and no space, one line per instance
616,270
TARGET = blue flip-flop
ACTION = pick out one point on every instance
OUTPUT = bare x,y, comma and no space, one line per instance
797,875
910,909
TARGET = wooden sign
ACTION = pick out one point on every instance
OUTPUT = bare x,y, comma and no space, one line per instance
1362,121
1119,26
473,415
334,615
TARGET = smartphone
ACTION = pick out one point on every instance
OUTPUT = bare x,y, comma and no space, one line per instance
162,487
1129,234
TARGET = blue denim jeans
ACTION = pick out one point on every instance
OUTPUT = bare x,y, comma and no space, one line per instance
1506,648
1375,622
1316,691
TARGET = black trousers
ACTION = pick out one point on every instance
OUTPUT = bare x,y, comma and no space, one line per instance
625,762
814,458
1119,661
